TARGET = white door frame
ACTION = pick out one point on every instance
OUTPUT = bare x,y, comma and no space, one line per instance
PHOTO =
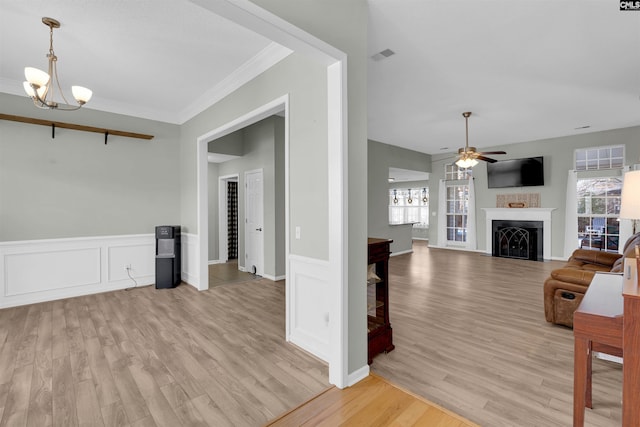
223,220
253,17
247,235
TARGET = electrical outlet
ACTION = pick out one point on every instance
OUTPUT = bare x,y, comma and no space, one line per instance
127,267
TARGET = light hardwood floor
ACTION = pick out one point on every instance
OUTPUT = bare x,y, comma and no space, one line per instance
470,335
469,332
372,402
150,357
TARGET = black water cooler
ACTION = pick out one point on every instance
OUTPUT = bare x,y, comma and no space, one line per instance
167,256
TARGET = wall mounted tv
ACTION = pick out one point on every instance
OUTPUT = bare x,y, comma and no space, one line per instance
516,173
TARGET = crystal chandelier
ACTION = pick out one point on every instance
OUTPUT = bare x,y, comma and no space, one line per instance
41,86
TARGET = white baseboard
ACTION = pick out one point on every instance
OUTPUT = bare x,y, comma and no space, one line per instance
358,375
458,248
274,278
609,357
216,261
408,251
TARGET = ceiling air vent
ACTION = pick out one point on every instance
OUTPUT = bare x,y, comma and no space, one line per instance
382,55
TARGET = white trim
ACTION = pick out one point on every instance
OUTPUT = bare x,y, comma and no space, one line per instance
265,59
243,121
216,261
262,61
408,251
338,216
458,248
221,158
609,357
274,278
249,15
358,375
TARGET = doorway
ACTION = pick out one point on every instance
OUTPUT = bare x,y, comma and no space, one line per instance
254,213
228,218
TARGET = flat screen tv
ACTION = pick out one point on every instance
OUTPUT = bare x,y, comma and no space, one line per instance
516,173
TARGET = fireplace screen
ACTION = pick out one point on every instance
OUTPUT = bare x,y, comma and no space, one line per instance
518,239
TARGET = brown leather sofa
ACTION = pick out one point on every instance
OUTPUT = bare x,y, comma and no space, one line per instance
566,286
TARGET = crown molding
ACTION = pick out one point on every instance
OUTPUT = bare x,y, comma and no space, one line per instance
262,61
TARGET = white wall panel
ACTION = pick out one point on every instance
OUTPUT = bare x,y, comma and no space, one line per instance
309,293
190,265
141,258
55,270
43,270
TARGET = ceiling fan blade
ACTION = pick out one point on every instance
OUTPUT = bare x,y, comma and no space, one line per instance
492,152
486,159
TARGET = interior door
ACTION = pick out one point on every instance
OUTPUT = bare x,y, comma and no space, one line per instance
254,218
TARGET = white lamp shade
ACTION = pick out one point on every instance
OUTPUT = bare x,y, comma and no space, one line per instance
81,94
630,200
466,162
42,90
28,89
36,77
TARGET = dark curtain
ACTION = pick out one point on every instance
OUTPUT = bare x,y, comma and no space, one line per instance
232,219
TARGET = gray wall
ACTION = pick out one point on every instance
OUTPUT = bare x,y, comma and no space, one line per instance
342,24
380,158
305,82
558,160
262,144
74,185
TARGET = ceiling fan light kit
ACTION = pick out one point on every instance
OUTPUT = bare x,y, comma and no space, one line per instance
40,85
468,156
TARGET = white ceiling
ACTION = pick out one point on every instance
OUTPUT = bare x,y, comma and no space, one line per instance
165,60
527,69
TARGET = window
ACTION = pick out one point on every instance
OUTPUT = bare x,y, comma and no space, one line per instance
409,206
598,211
453,172
598,158
457,202
457,209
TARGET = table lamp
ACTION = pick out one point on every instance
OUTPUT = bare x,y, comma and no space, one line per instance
630,206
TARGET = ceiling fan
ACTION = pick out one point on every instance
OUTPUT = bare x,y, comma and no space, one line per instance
468,156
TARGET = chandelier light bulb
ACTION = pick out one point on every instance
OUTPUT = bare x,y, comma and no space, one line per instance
81,94
36,77
39,82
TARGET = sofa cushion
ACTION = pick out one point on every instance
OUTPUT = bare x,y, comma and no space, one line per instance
600,258
573,275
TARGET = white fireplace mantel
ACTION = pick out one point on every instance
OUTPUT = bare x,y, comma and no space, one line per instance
520,214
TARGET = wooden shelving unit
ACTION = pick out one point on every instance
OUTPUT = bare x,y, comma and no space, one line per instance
378,325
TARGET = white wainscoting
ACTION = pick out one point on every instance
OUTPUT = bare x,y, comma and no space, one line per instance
43,270
190,259
309,296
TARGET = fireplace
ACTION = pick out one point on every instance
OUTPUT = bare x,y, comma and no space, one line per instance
521,214
518,239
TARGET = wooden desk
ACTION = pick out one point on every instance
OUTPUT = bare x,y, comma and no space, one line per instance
631,342
597,325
